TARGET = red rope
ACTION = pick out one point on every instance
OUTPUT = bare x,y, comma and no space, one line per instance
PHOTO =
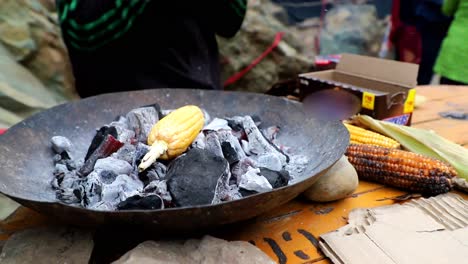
239,75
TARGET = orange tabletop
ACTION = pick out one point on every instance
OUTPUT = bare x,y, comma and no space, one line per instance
290,233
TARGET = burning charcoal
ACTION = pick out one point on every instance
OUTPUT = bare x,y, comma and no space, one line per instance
253,181
115,165
241,168
126,153
296,166
275,178
192,178
258,144
106,147
100,137
231,147
137,202
61,144
124,133
159,188
213,145
217,124
107,176
268,160
141,120
200,141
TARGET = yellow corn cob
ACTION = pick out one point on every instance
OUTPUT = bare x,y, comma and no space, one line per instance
401,169
360,135
173,134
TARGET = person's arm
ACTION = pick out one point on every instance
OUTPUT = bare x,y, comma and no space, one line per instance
450,6
89,24
229,16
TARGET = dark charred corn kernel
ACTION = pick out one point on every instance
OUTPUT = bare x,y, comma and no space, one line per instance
402,169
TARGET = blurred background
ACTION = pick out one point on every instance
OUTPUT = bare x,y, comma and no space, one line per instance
35,73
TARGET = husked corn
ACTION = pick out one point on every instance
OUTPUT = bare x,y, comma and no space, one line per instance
359,135
401,169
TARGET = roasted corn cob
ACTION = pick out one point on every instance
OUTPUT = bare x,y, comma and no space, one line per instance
173,134
360,135
401,169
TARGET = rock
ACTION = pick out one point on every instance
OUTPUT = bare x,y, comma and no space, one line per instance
208,250
337,183
7,207
192,178
48,245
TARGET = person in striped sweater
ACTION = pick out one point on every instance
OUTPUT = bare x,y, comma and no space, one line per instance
122,45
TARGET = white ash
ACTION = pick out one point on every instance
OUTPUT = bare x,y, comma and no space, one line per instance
115,165
222,190
92,189
61,144
271,133
253,181
246,147
141,120
241,168
119,190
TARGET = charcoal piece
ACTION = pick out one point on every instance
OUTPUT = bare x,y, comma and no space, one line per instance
192,178
108,146
69,195
253,181
159,188
71,164
120,189
156,172
271,132
115,165
141,120
140,152
245,192
102,206
137,202
275,178
92,189
222,190
100,136
241,167
213,145
235,123
269,160
296,166
258,144
61,144
126,153
231,147
107,176
217,124
199,142
124,133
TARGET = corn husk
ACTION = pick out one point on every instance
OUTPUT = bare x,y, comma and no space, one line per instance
420,141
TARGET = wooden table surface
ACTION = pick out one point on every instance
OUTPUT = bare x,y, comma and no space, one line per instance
290,233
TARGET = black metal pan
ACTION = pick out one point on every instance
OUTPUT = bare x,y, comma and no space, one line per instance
26,156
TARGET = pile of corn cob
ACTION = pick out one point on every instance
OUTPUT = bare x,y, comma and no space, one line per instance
380,159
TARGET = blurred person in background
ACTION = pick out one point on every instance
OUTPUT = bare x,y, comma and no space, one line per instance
121,45
452,62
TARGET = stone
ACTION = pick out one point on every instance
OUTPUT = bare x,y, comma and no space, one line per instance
48,245
7,207
208,250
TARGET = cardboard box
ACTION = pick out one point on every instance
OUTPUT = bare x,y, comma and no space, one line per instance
433,230
385,87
